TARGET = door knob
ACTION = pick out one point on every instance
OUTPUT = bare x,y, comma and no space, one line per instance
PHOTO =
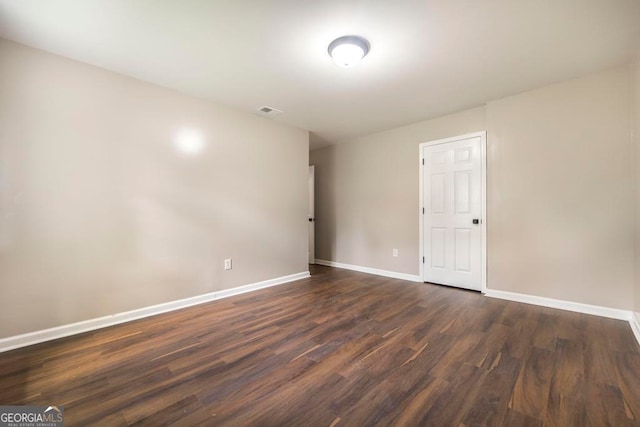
476,221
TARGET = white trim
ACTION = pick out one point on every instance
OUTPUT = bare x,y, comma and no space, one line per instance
597,310
369,270
311,228
483,160
37,337
635,325
483,172
421,215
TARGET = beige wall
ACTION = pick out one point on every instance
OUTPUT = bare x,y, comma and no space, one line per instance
636,135
100,214
367,193
560,192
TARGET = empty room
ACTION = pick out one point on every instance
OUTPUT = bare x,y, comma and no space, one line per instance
320,213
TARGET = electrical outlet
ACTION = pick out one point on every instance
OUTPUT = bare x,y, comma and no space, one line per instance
395,252
227,264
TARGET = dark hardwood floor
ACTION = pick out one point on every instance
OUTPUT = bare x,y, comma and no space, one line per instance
340,349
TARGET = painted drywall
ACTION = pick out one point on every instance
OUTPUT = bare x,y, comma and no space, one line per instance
636,136
100,213
560,192
367,193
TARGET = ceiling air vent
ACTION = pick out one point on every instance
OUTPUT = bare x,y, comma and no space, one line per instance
269,112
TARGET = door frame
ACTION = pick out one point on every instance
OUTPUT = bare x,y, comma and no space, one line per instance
311,228
483,184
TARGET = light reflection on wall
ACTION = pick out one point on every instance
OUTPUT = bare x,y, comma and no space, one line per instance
189,141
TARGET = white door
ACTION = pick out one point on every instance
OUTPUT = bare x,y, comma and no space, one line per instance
312,217
452,216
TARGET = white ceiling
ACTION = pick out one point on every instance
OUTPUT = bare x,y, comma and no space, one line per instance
428,57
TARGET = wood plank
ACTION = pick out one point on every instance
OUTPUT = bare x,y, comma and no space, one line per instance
531,391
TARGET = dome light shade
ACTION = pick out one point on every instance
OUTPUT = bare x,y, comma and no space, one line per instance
347,51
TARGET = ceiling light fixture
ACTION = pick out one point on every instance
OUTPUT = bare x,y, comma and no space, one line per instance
347,51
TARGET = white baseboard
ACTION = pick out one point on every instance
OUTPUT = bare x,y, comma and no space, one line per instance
31,338
612,313
375,271
37,337
635,325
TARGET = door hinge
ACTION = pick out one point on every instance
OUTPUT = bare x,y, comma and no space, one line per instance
423,161
422,211
423,260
